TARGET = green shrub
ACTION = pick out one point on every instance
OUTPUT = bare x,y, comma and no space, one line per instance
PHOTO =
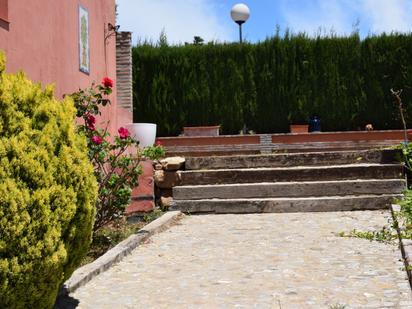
346,81
47,193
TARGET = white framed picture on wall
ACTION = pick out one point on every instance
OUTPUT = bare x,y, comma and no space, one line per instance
84,48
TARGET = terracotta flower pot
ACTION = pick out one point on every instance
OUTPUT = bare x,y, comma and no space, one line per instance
201,131
299,128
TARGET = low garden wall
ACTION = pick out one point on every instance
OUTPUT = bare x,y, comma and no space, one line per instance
272,143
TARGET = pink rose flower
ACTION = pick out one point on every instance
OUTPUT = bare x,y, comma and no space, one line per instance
123,133
107,82
97,140
158,143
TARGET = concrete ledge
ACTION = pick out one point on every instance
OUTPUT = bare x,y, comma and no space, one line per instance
292,159
405,244
84,274
287,205
291,189
296,173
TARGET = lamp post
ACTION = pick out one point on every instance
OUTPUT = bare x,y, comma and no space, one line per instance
240,14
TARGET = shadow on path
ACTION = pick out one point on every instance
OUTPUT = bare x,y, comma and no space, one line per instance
66,302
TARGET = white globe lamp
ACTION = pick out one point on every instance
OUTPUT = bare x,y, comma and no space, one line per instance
240,14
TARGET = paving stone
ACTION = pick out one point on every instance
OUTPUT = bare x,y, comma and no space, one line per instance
257,261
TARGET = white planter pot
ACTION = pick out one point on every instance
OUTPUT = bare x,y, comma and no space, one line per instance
145,133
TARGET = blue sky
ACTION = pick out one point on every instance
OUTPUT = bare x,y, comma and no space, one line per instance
210,19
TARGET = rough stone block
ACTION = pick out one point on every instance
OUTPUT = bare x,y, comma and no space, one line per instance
166,179
166,202
166,192
173,163
158,167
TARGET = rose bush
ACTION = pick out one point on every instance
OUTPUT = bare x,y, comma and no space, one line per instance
115,166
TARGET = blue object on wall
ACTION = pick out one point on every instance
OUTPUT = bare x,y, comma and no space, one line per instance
314,124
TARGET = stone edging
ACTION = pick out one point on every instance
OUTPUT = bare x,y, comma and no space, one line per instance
405,244
84,274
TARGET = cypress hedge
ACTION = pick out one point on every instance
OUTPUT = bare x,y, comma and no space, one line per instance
266,86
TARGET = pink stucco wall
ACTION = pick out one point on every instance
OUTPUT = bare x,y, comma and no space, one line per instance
42,39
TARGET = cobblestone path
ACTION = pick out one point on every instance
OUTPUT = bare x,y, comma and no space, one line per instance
257,261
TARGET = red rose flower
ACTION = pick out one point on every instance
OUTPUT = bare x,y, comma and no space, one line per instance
90,122
97,140
107,82
158,143
91,119
123,133
91,127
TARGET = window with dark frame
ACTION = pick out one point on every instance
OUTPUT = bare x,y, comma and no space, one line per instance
4,10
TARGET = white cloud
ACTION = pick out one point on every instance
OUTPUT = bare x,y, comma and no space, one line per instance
389,15
181,19
374,16
315,15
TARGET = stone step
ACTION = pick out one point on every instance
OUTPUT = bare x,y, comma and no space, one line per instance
290,189
283,174
279,205
291,159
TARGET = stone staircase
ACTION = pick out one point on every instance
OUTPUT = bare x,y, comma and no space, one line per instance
294,182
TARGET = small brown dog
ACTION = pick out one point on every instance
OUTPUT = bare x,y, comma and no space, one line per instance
369,127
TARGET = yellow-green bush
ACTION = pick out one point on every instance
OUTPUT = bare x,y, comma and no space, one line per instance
47,193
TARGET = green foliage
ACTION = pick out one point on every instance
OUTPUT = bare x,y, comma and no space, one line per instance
406,204
344,80
151,216
154,152
338,306
405,155
406,209
109,236
47,193
197,40
383,235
